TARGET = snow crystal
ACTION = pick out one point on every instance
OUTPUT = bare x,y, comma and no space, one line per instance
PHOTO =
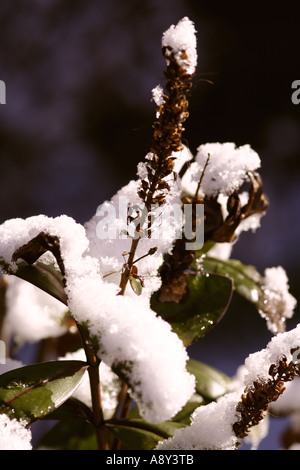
210,429
32,314
181,40
226,171
14,435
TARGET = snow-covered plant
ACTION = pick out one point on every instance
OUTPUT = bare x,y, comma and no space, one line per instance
115,303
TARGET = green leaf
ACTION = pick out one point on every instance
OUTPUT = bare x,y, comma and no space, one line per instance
32,392
183,416
44,276
204,306
210,382
71,409
247,280
208,245
251,285
138,434
74,434
136,285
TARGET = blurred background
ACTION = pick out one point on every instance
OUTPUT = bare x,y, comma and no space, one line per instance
78,119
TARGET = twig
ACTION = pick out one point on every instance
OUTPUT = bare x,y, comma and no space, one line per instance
94,376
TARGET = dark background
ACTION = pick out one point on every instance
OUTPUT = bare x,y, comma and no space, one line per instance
78,118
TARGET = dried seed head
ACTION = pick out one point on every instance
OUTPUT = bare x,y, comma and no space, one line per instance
256,399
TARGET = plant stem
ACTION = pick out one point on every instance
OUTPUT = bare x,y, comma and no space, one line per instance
98,419
128,266
122,411
94,376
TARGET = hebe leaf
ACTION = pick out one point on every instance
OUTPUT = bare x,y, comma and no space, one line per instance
207,300
31,392
136,285
247,280
72,434
210,382
138,434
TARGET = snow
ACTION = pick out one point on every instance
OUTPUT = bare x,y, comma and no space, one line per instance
129,333
257,433
181,157
15,233
14,435
276,280
32,314
181,40
226,171
108,247
258,364
158,95
210,429
221,251
133,337
289,402
211,426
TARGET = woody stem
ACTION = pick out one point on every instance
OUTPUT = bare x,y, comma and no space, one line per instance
94,376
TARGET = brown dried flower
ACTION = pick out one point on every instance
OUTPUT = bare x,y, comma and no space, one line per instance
257,398
167,133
